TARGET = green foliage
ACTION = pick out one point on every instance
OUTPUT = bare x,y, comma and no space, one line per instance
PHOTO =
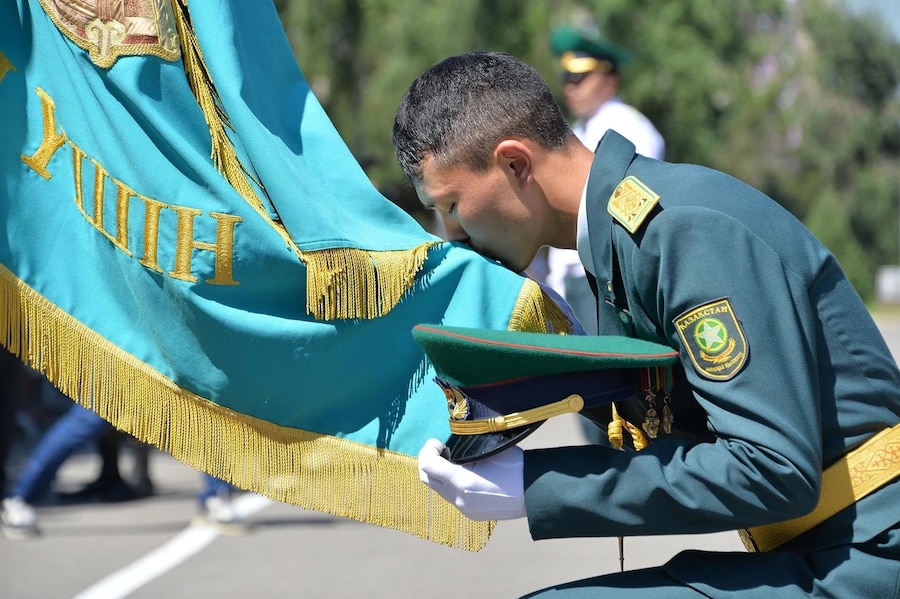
796,98
828,221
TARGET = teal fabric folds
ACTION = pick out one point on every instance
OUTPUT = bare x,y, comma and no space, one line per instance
190,249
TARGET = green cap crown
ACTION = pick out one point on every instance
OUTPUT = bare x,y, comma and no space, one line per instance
471,356
583,42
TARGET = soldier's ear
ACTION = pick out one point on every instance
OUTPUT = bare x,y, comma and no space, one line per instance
516,159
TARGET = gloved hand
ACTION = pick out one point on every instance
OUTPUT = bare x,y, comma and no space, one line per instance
489,489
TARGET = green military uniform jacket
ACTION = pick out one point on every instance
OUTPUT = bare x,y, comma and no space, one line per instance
807,378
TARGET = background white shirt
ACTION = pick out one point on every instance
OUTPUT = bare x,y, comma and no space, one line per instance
628,121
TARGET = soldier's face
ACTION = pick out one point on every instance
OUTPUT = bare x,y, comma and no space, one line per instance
586,94
485,210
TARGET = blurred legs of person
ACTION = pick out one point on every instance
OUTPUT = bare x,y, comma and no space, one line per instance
18,519
216,506
9,369
140,476
9,387
70,432
109,485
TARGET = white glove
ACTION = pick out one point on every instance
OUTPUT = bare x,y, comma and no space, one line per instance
489,489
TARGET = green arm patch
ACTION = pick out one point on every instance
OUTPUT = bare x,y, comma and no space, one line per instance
712,336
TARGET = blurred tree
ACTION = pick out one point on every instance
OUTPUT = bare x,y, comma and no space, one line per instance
360,56
829,220
796,98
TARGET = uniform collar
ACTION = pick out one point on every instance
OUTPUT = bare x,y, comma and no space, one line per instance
614,154
582,239
611,161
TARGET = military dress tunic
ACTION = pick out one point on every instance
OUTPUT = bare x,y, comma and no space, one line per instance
782,371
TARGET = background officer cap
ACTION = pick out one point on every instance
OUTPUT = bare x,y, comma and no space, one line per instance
510,382
585,50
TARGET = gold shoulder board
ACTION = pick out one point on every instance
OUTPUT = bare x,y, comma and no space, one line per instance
631,203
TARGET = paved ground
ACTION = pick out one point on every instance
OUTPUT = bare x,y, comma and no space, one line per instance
148,549
289,551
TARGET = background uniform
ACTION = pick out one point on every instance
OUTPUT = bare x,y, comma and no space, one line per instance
808,379
625,120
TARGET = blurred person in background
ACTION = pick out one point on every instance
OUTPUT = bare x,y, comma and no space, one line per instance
71,432
9,385
590,67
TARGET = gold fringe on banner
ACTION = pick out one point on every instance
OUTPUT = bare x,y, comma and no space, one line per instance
535,312
310,470
352,283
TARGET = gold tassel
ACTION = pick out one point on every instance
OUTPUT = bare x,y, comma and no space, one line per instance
614,429
310,470
614,432
347,283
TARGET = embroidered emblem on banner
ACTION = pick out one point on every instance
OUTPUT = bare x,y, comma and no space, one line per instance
713,338
5,66
457,402
631,202
108,29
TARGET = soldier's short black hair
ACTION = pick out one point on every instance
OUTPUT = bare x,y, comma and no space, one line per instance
459,109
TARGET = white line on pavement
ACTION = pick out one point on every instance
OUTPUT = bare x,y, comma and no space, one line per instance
181,547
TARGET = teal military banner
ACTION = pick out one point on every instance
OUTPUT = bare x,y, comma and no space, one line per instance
190,250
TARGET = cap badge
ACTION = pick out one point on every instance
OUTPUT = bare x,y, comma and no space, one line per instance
714,340
457,402
631,202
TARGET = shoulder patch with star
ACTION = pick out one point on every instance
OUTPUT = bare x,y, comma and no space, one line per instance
713,338
631,203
